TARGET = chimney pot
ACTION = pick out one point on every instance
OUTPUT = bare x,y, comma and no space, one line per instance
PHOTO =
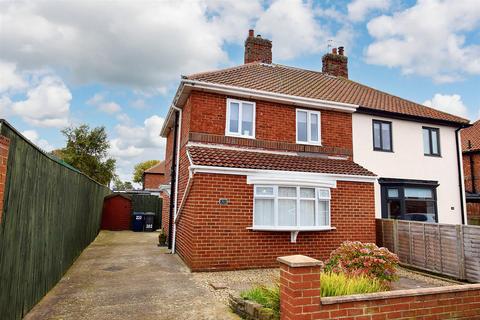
341,50
251,33
334,51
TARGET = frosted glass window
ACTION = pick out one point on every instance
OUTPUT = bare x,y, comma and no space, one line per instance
240,118
302,126
308,126
418,193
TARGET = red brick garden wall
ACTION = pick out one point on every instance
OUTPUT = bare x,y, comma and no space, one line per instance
4,147
300,299
213,236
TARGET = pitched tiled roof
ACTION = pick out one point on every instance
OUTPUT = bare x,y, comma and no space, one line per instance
317,85
471,137
158,168
230,158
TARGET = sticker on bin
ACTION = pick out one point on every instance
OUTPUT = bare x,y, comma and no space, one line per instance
149,226
138,217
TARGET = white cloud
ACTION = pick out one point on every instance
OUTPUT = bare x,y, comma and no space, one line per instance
9,78
98,101
142,44
294,29
359,9
33,136
449,103
46,105
134,144
428,39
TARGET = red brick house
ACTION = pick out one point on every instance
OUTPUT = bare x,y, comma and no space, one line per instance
260,161
154,177
471,167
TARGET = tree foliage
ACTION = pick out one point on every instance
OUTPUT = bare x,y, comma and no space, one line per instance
141,167
119,185
87,150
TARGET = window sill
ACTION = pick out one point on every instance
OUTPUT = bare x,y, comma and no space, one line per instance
239,136
432,155
290,229
382,150
318,144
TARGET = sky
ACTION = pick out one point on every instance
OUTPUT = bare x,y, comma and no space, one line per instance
118,63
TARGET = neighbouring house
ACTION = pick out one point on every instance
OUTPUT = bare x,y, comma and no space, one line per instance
264,160
154,177
471,167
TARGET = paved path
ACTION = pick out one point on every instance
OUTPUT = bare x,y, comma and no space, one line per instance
124,275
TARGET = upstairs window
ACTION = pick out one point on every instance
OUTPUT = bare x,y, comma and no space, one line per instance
308,127
431,141
240,118
382,136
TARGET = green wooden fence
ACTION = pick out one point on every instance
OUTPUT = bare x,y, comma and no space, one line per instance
148,203
51,213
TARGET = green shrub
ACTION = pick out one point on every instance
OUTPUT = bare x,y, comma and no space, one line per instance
341,284
357,258
268,297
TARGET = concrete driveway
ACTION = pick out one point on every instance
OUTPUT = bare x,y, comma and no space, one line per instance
124,275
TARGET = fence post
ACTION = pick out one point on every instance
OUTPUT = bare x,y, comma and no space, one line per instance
410,242
299,287
460,252
395,236
440,247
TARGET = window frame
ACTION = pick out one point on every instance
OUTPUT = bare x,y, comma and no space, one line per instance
401,185
430,144
240,114
309,124
297,227
381,148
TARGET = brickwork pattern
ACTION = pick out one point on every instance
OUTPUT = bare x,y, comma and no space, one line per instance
468,160
211,236
153,180
4,147
258,49
300,299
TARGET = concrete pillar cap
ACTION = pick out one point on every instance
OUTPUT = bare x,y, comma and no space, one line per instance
299,260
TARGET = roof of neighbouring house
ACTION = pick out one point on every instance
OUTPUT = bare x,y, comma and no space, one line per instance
471,137
317,85
159,168
245,159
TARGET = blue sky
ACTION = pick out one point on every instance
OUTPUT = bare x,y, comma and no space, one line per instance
117,63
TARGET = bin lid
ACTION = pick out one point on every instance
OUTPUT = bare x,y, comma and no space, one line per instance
138,213
149,214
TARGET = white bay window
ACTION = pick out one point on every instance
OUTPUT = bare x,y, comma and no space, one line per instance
291,208
240,118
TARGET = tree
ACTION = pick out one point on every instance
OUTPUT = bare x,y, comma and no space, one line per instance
119,185
87,150
141,167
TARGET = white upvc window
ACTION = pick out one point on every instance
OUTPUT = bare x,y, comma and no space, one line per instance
308,127
240,118
291,208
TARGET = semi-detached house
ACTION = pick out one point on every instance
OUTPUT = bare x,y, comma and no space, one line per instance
266,160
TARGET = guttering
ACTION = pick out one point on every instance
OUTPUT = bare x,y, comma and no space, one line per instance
179,147
463,201
270,96
246,171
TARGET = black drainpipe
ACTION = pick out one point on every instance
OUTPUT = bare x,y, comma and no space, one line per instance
460,173
173,177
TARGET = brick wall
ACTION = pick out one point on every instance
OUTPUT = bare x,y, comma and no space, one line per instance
300,298
153,180
4,146
274,122
214,236
467,171
473,213
165,210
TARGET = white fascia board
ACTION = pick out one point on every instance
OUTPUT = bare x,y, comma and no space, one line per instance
284,174
271,96
303,179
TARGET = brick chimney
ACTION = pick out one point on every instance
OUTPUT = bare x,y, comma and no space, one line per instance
335,63
257,49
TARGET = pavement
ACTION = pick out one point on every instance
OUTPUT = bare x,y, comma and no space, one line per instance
124,275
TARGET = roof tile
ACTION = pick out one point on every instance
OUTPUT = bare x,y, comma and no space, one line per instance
317,85
471,137
230,158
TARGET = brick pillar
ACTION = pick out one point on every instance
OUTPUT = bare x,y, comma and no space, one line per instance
4,146
299,287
